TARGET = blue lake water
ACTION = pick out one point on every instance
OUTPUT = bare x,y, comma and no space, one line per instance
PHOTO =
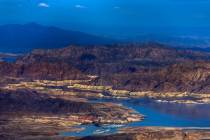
156,114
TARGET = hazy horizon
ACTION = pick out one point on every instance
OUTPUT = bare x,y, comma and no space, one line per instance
113,18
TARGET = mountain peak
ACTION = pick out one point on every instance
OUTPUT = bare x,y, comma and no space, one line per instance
34,36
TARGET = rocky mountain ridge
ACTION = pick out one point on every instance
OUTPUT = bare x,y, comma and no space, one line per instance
133,67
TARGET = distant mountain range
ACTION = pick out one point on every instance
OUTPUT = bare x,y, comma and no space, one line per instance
15,38
184,37
179,41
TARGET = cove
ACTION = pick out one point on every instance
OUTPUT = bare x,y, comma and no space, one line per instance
156,114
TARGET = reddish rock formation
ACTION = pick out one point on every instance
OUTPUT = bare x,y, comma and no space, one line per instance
135,67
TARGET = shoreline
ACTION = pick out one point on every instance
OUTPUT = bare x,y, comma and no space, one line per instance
109,113
151,133
75,88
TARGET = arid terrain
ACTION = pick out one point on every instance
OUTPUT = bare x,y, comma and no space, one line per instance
46,92
155,133
152,70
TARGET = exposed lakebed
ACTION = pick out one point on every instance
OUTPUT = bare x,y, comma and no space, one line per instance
156,114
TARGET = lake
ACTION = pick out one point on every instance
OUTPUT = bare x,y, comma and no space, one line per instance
156,114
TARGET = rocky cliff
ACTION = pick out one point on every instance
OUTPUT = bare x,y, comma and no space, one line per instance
134,67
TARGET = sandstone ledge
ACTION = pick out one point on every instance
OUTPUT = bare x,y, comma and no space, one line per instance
81,88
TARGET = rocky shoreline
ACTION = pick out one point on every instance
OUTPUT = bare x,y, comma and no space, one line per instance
46,91
155,133
14,122
50,125
27,114
80,88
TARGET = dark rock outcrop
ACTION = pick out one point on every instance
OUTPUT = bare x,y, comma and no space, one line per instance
32,103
